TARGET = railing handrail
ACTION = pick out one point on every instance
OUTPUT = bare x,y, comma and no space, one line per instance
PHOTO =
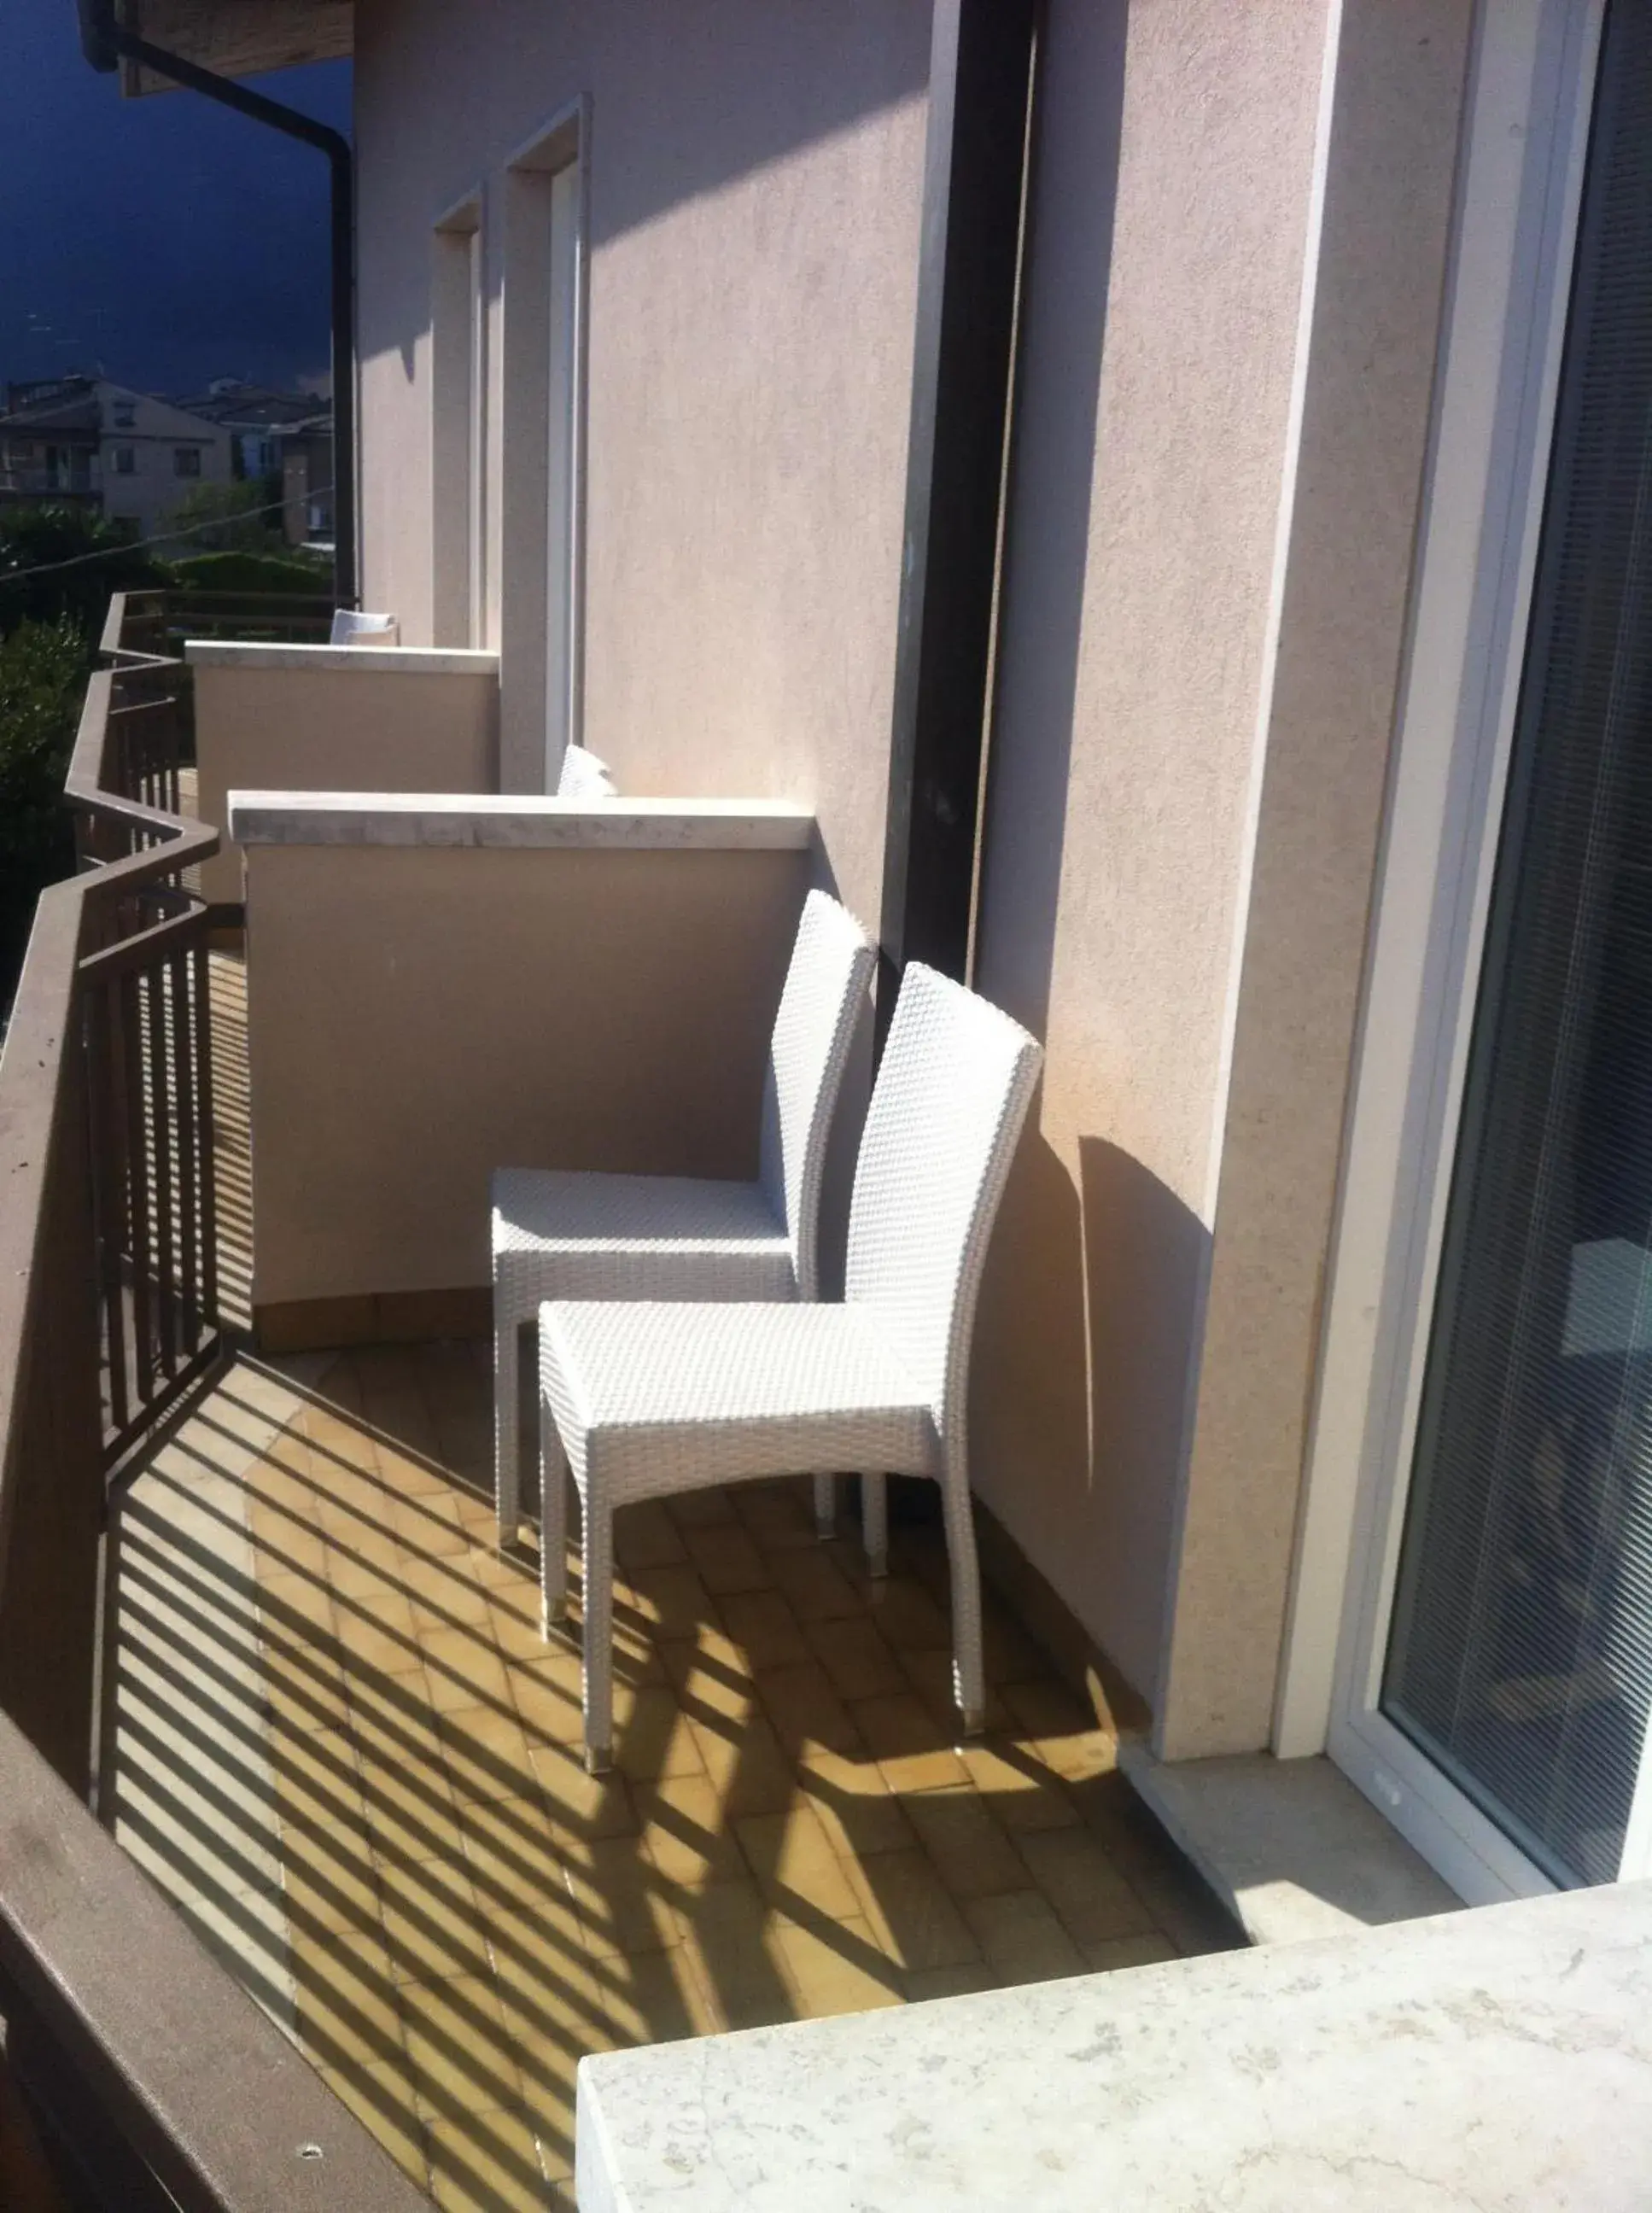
155,2041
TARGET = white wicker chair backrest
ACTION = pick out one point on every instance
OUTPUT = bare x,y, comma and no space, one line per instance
946,1113
584,777
352,627
825,986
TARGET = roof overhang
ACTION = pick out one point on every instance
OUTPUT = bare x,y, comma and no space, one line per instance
233,38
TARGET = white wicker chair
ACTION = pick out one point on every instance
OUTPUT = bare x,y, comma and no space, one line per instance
583,776
647,1400
352,627
582,1237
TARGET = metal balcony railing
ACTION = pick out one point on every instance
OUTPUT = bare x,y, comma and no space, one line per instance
150,2079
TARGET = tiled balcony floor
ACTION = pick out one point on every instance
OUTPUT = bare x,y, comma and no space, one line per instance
340,1742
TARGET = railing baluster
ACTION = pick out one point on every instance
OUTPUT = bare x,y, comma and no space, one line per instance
201,959
192,1319
161,1122
110,1198
130,987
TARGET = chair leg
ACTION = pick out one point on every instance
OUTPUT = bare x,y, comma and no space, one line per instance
553,1524
968,1672
598,1671
826,1507
507,1466
874,1524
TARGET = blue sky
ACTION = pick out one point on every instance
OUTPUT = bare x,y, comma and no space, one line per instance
167,239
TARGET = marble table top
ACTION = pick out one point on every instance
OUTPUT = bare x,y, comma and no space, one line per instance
1500,2058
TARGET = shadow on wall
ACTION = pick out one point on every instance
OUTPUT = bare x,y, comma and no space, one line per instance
1089,1308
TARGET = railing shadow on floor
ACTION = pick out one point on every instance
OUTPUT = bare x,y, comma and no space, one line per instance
148,2077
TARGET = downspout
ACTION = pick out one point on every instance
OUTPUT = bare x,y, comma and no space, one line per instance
104,44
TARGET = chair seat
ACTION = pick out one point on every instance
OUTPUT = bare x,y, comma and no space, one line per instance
557,1234
650,1399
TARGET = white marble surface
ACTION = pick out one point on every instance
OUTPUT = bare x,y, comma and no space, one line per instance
348,660
1498,2059
512,819
1289,1845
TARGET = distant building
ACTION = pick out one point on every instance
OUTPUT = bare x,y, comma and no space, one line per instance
284,435
82,440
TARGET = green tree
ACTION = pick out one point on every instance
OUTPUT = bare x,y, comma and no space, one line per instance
65,561
231,518
44,667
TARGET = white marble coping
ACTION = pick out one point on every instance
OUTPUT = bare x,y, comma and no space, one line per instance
1498,2058
517,819
346,660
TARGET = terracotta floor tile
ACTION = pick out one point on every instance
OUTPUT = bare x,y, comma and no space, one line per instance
928,1983
907,1617
1018,1790
852,1650
727,1560
836,1969
792,1857
550,1984
1148,1950
294,1603
687,1833
856,1806
701,1509
652,1737
442,1587
710,1677
583,1807
431,1922
458,2050
484,1752
657,1998
381,2099
813,1585
645,1536
466,1912
548,1701
908,1742
727,1933
1093,1898
763,1628
622,1899
463,1670
487,2163
1020,1938
344,2016
971,1853
907,1908
780,1516
670,1601
806,1712
747,1767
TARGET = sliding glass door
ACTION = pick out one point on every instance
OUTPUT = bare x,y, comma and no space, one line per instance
1498,1697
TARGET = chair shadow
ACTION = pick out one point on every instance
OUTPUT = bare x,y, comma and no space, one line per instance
383,1826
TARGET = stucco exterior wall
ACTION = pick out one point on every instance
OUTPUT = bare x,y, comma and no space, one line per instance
336,727
1391,168
1170,204
418,1016
754,182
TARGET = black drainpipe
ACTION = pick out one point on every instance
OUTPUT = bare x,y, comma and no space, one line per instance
981,74
104,44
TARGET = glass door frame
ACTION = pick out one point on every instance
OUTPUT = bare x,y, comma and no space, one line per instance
1525,138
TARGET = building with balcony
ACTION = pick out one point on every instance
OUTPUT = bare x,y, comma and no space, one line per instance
1144,504
84,440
